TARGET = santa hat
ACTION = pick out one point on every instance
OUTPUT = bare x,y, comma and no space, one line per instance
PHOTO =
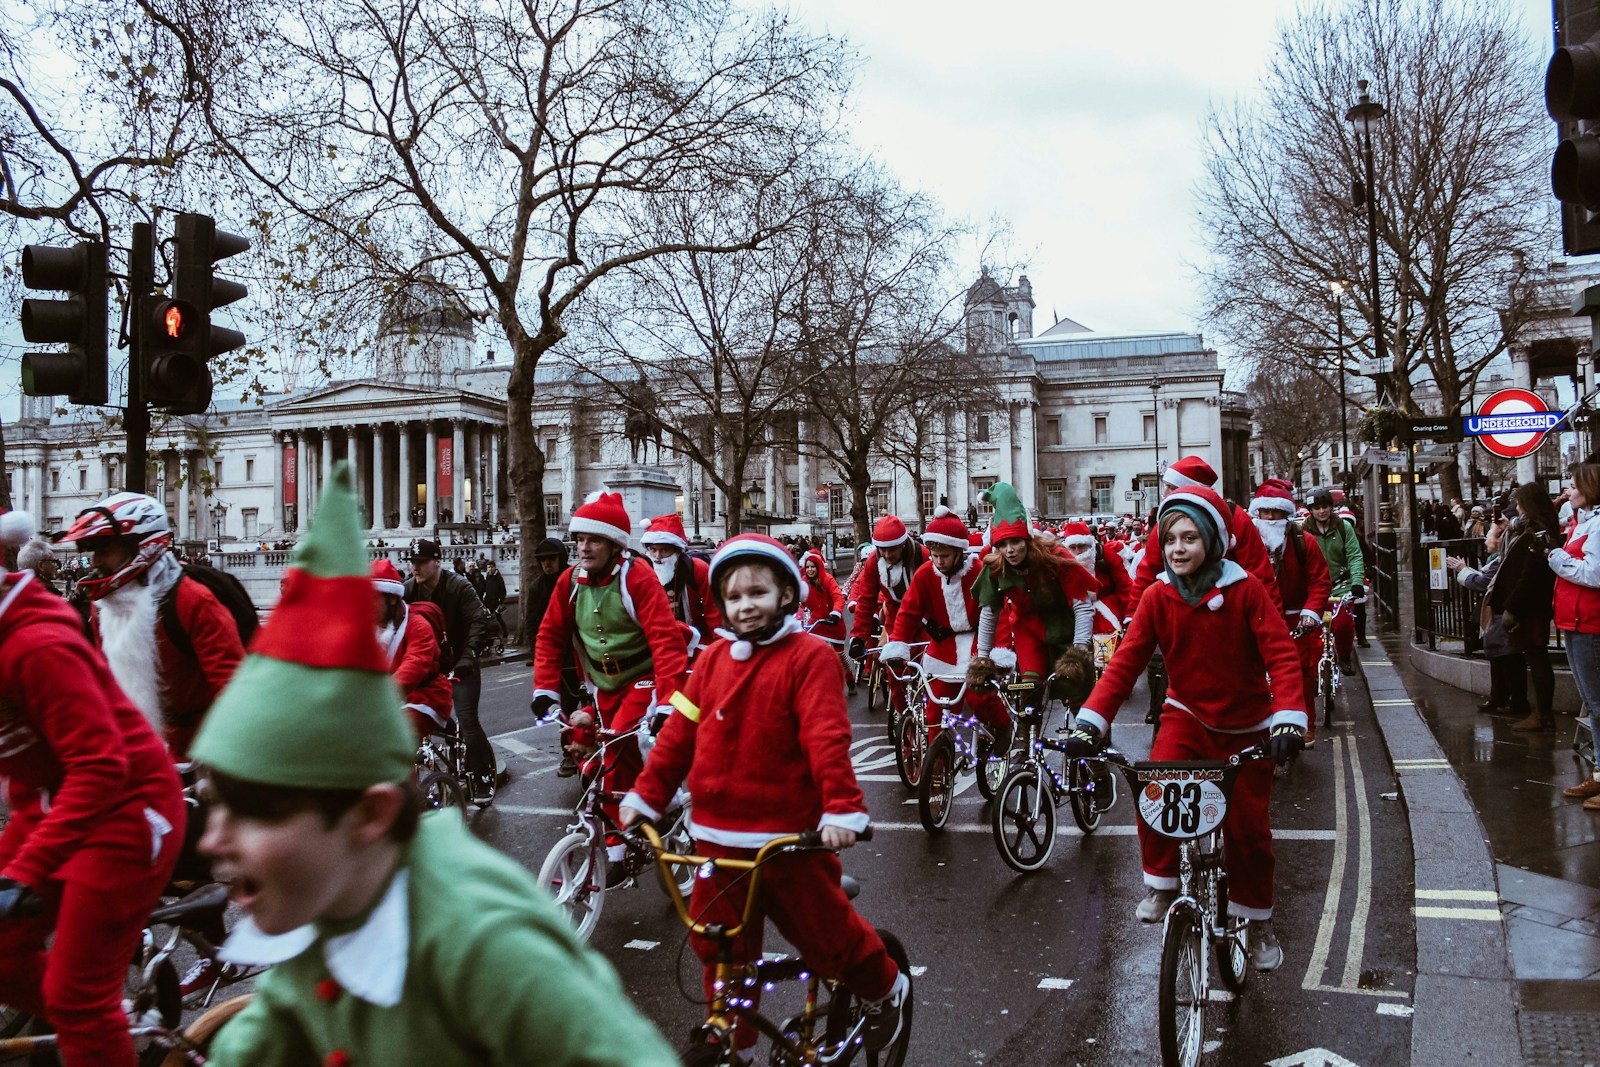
666,530
888,532
946,528
1010,517
313,705
1275,494
603,515
385,579
1076,537
1208,502
1344,512
1189,471
16,528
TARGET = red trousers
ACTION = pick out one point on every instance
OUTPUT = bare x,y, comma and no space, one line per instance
1309,648
1247,829
1344,633
986,707
623,710
800,892
97,913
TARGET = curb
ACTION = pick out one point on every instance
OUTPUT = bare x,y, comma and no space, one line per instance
1464,980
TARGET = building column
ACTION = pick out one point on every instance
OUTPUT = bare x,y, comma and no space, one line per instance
961,463
1522,377
569,471
405,485
302,482
277,478
494,473
458,469
327,462
1000,434
808,492
379,519
1026,454
185,481
941,463
431,516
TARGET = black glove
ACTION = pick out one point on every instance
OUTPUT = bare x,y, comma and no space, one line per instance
1287,741
1084,741
17,900
858,647
896,665
831,618
541,706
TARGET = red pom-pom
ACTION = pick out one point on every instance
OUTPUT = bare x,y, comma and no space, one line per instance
337,1058
328,990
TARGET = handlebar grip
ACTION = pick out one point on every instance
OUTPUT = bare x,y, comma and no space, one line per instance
865,835
810,839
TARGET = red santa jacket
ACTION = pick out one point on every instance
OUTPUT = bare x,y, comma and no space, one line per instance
764,745
945,609
1247,551
694,603
1116,588
1219,656
826,598
1302,586
414,661
645,601
82,765
876,585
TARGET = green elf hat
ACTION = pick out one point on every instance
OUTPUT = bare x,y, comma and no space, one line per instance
313,705
1010,517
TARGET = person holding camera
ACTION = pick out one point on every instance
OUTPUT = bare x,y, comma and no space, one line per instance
1519,603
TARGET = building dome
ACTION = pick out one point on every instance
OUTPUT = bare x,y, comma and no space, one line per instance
425,334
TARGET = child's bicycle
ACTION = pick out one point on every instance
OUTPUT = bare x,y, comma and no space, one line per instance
961,744
1329,677
869,674
828,1029
152,997
576,871
1188,800
906,730
441,764
1024,819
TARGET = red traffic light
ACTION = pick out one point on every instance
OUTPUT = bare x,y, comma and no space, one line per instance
173,319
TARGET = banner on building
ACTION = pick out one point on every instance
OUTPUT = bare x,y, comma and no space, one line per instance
445,480
291,473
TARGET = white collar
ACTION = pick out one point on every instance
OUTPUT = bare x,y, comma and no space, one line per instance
966,568
1231,573
369,961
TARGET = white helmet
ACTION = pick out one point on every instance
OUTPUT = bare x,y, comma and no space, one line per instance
133,518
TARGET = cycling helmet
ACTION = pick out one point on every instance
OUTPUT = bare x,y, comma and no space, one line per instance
133,518
747,547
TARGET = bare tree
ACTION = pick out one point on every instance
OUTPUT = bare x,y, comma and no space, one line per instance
1457,192
920,426
1294,410
513,143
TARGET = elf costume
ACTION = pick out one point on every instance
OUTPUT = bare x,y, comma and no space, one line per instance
1216,705
1303,581
687,581
460,960
762,739
97,819
412,646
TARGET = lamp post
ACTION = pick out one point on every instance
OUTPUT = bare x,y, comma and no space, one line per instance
1338,286
1363,118
219,512
1155,425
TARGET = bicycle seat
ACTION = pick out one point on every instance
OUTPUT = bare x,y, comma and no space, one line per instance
851,887
207,899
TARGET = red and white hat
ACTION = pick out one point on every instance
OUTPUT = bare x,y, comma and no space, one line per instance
666,530
764,547
16,528
889,531
1189,471
603,515
1274,494
1207,501
386,579
946,528
1076,536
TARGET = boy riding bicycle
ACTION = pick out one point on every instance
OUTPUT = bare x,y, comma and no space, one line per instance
763,738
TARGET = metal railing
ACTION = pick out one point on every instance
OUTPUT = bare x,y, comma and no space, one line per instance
1385,570
1451,614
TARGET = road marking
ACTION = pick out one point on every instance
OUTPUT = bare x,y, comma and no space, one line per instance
1210,1046
1476,914
1403,1011
1330,902
1363,901
515,747
918,972
1055,983
514,733
1459,894
1312,1057
1420,764
1394,703
877,777
1359,992
1219,996
642,945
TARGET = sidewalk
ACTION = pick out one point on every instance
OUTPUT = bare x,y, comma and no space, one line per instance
1513,841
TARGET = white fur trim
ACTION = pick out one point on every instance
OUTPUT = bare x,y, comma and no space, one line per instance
551,693
1004,658
896,650
741,650
941,512
902,539
955,600
16,528
1311,618
855,821
383,585
1224,527
1289,718
636,802
1095,719
1161,881
1181,481
1270,503
581,524
662,537
948,540
1215,601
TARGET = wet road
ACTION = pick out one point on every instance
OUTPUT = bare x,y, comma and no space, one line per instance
1052,967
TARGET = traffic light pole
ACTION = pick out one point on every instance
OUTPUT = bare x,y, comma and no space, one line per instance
136,416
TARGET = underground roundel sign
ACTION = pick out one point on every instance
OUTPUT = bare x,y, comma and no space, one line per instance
1512,423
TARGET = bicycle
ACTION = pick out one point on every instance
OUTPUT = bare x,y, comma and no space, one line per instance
906,731
1329,677
828,1030
441,765
869,673
153,999
962,744
575,870
1187,800
1024,820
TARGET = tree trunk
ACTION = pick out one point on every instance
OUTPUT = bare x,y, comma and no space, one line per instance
860,484
526,472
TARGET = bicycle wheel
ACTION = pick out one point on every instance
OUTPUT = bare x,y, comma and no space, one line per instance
894,1055
441,790
1024,820
1081,787
1183,990
937,789
677,839
574,874
1328,693
877,690
991,770
910,748
703,1054
199,1034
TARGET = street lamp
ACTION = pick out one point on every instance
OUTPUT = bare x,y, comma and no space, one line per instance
1363,118
1338,285
1155,425
756,496
219,512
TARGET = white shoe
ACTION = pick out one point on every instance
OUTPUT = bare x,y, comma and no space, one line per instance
1264,945
1153,908
884,1017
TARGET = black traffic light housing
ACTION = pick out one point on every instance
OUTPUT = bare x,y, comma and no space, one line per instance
179,339
79,322
1572,96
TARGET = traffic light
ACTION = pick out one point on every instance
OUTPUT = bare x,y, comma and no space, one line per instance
1572,96
179,340
79,322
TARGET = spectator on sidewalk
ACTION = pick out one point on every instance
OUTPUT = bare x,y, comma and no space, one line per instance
1522,597
1506,688
1577,608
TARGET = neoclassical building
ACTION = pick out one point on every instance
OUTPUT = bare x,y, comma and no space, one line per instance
1083,424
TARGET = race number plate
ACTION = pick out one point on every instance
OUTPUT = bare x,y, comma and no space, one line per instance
1181,804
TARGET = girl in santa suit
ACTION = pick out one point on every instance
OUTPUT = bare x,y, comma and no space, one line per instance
823,611
413,650
1216,705
761,736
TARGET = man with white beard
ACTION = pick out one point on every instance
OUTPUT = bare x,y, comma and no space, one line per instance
687,580
1108,568
129,542
1303,579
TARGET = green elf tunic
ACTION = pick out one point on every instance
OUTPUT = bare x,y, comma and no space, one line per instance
462,961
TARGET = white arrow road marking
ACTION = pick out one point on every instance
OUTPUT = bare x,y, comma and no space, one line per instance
871,753
515,747
642,945
1312,1057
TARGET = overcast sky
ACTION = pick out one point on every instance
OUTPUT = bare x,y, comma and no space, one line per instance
1078,122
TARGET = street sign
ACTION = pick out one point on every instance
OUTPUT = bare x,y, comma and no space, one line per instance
1428,428
1512,423
1375,457
1130,494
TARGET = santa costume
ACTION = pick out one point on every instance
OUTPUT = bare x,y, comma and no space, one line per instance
823,611
1111,602
1247,550
687,581
1216,705
1303,581
412,645
884,584
97,820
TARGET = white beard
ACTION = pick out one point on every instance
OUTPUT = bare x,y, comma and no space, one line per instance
666,568
128,621
1084,556
1272,533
